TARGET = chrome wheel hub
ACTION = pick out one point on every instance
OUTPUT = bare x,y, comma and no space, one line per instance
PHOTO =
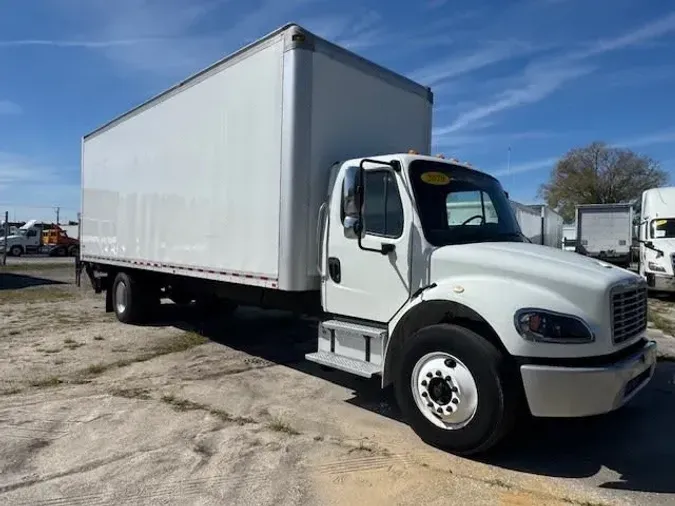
121,297
444,390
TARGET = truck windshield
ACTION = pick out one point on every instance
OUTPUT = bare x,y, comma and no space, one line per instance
663,228
458,205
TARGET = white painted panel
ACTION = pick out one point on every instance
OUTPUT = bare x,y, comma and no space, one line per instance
356,114
605,228
194,179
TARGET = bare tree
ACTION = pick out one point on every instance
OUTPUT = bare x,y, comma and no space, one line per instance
599,174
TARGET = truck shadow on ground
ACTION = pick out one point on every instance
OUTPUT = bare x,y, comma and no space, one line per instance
9,281
636,442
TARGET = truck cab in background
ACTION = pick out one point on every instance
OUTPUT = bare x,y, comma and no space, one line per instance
26,239
657,238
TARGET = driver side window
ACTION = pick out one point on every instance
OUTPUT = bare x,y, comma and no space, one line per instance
470,208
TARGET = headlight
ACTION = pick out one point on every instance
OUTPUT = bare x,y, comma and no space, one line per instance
655,267
540,325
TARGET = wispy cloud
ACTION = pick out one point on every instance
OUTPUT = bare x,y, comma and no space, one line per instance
354,31
542,79
442,139
518,168
639,141
8,107
443,70
167,38
87,44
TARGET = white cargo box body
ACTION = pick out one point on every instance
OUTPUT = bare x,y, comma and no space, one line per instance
529,221
605,228
222,176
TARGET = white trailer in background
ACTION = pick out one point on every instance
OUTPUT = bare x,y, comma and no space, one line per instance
539,223
280,177
605,232
569,239
656,235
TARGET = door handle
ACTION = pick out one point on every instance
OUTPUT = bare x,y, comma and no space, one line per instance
334,270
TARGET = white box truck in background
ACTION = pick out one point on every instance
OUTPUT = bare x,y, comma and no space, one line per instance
539,223
605,232
281,167
656,235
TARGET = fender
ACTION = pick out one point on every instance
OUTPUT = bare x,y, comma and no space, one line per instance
483,303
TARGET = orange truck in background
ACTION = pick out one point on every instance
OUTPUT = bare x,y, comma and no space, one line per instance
56,242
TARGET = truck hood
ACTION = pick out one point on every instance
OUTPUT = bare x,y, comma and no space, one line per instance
564,271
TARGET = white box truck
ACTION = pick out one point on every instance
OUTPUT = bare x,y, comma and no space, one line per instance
605,232
281,177
656,235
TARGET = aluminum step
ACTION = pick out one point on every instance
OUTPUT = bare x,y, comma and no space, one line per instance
355,328
351,365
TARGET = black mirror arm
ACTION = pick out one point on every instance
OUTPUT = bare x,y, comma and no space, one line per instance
386,248
650,245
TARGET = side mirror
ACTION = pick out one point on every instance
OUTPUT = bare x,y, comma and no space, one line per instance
351,197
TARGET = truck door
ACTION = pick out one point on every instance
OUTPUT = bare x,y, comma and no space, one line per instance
368,279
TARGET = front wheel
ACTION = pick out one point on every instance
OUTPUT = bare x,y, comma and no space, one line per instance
456,389
16,251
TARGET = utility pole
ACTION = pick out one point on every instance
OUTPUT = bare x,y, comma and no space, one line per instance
58,211
6,233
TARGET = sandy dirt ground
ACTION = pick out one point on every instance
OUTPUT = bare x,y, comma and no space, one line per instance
184,411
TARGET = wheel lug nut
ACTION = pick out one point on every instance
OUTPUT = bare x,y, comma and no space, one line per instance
454,390
448,379
455,400
424,394
429,375
430,404
450,363
440,410
424,383
439,373
450,409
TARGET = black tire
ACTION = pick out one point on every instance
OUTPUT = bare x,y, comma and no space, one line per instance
73,251
60,251
16,251
139,302
498,398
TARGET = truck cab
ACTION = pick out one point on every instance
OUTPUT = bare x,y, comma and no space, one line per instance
460,313
657,238
26,239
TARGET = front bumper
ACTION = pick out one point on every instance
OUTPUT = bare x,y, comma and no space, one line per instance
554,391
661,282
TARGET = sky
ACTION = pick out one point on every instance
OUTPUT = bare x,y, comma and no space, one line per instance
517,83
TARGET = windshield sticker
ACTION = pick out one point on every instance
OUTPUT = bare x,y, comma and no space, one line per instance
660,233
435,178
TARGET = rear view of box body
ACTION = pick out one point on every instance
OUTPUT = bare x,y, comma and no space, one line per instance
222,176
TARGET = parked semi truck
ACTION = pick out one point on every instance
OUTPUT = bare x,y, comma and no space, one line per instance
297,173
657,238
605,232
25,239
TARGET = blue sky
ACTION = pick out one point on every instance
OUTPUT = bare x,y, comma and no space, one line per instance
539,76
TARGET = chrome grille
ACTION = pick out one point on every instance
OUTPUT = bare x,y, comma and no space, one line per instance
629,312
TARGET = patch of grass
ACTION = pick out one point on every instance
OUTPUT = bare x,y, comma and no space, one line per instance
51,381
181,342
46,266
96,369
278,425
11,391
34,295
496,482
99,338
132,393
50,351
187,405
661,322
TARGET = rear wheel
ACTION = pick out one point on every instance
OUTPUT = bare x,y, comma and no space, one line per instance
132,301
456,389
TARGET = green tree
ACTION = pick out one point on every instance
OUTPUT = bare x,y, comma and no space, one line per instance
599,174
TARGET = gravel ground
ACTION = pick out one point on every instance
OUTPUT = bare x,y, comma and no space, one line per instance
228,412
